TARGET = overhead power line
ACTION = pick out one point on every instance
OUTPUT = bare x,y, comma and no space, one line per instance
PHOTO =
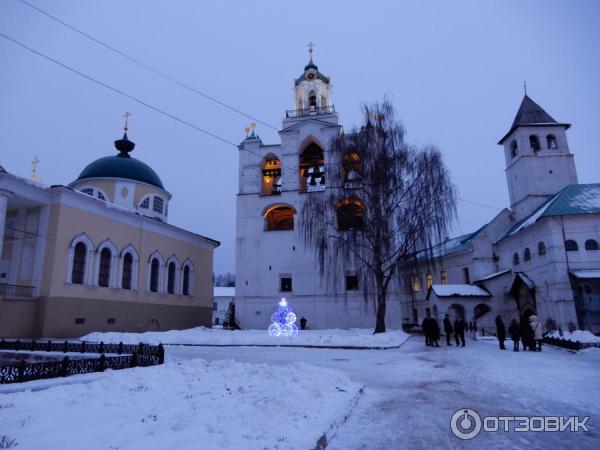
146,66
114,89
479,204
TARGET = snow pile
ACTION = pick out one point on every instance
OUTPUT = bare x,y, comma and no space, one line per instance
193,404
583,336
207,336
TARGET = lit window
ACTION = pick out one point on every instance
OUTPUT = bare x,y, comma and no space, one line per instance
429,280
444,277
157,205
416,284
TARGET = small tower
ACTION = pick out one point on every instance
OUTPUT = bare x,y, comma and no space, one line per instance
312,91
538,160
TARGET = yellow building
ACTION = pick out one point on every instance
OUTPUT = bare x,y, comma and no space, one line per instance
99,255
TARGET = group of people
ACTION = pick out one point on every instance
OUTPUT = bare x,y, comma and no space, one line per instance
431,329
527,331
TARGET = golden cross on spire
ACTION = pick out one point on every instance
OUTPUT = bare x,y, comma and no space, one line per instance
310,46
34,163
126,115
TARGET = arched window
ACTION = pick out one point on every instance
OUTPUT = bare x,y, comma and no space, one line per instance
312,99
171,277
551,142
350,215
145,204
280,218
514,148
105,266
127,271
591,244
271,176
79,263
312,169
154,273
94,192
527,254
516,259
534,143
352,170
186,280
541,248
571,245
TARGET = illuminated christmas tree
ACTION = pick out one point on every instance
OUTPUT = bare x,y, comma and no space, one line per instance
284,321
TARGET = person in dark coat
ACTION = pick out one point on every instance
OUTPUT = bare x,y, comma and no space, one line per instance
447,328
513,330
500,332
303,323
435,332
459,331
426,330
525,332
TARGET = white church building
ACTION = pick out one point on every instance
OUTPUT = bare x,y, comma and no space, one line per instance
538,256
274,181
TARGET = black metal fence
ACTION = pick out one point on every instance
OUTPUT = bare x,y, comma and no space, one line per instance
569,345
120,357
16,291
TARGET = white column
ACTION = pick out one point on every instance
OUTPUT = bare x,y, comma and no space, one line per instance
3,207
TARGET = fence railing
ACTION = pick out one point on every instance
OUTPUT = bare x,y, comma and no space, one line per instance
16,291
120,357
570,345
315,110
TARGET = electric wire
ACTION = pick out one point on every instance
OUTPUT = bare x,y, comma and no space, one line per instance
146,66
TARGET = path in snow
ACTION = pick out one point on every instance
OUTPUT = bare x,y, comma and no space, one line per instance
413,391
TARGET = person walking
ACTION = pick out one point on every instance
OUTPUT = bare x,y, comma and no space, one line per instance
435,332
459,331
513,330
524,332
447,329
536,329
500,332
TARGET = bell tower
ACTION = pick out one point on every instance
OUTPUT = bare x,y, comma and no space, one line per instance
312,91
538,160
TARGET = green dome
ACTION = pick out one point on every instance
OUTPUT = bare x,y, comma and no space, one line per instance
122,166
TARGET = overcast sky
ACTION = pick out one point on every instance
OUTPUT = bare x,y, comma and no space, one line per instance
453,69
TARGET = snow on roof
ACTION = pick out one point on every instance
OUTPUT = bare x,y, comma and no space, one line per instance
586,273
459,290
489,276
219,291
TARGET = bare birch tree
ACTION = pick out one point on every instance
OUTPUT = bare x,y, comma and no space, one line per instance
385,200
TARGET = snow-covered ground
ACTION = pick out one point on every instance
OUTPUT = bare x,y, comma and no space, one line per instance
289,395
583,336
218,336
192,404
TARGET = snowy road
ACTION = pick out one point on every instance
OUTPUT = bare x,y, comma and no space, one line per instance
413,391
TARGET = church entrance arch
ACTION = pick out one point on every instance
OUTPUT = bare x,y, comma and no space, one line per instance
523,292
456,310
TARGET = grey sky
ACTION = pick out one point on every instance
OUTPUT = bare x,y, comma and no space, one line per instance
454,70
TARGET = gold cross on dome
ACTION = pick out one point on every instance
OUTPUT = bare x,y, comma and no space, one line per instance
126,115
310,46
34,163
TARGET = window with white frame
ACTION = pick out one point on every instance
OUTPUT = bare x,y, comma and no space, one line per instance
94,192
158,204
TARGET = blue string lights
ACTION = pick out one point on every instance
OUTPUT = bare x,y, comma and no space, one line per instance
284,321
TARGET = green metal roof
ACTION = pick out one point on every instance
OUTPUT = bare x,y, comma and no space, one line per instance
572,200
122,166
